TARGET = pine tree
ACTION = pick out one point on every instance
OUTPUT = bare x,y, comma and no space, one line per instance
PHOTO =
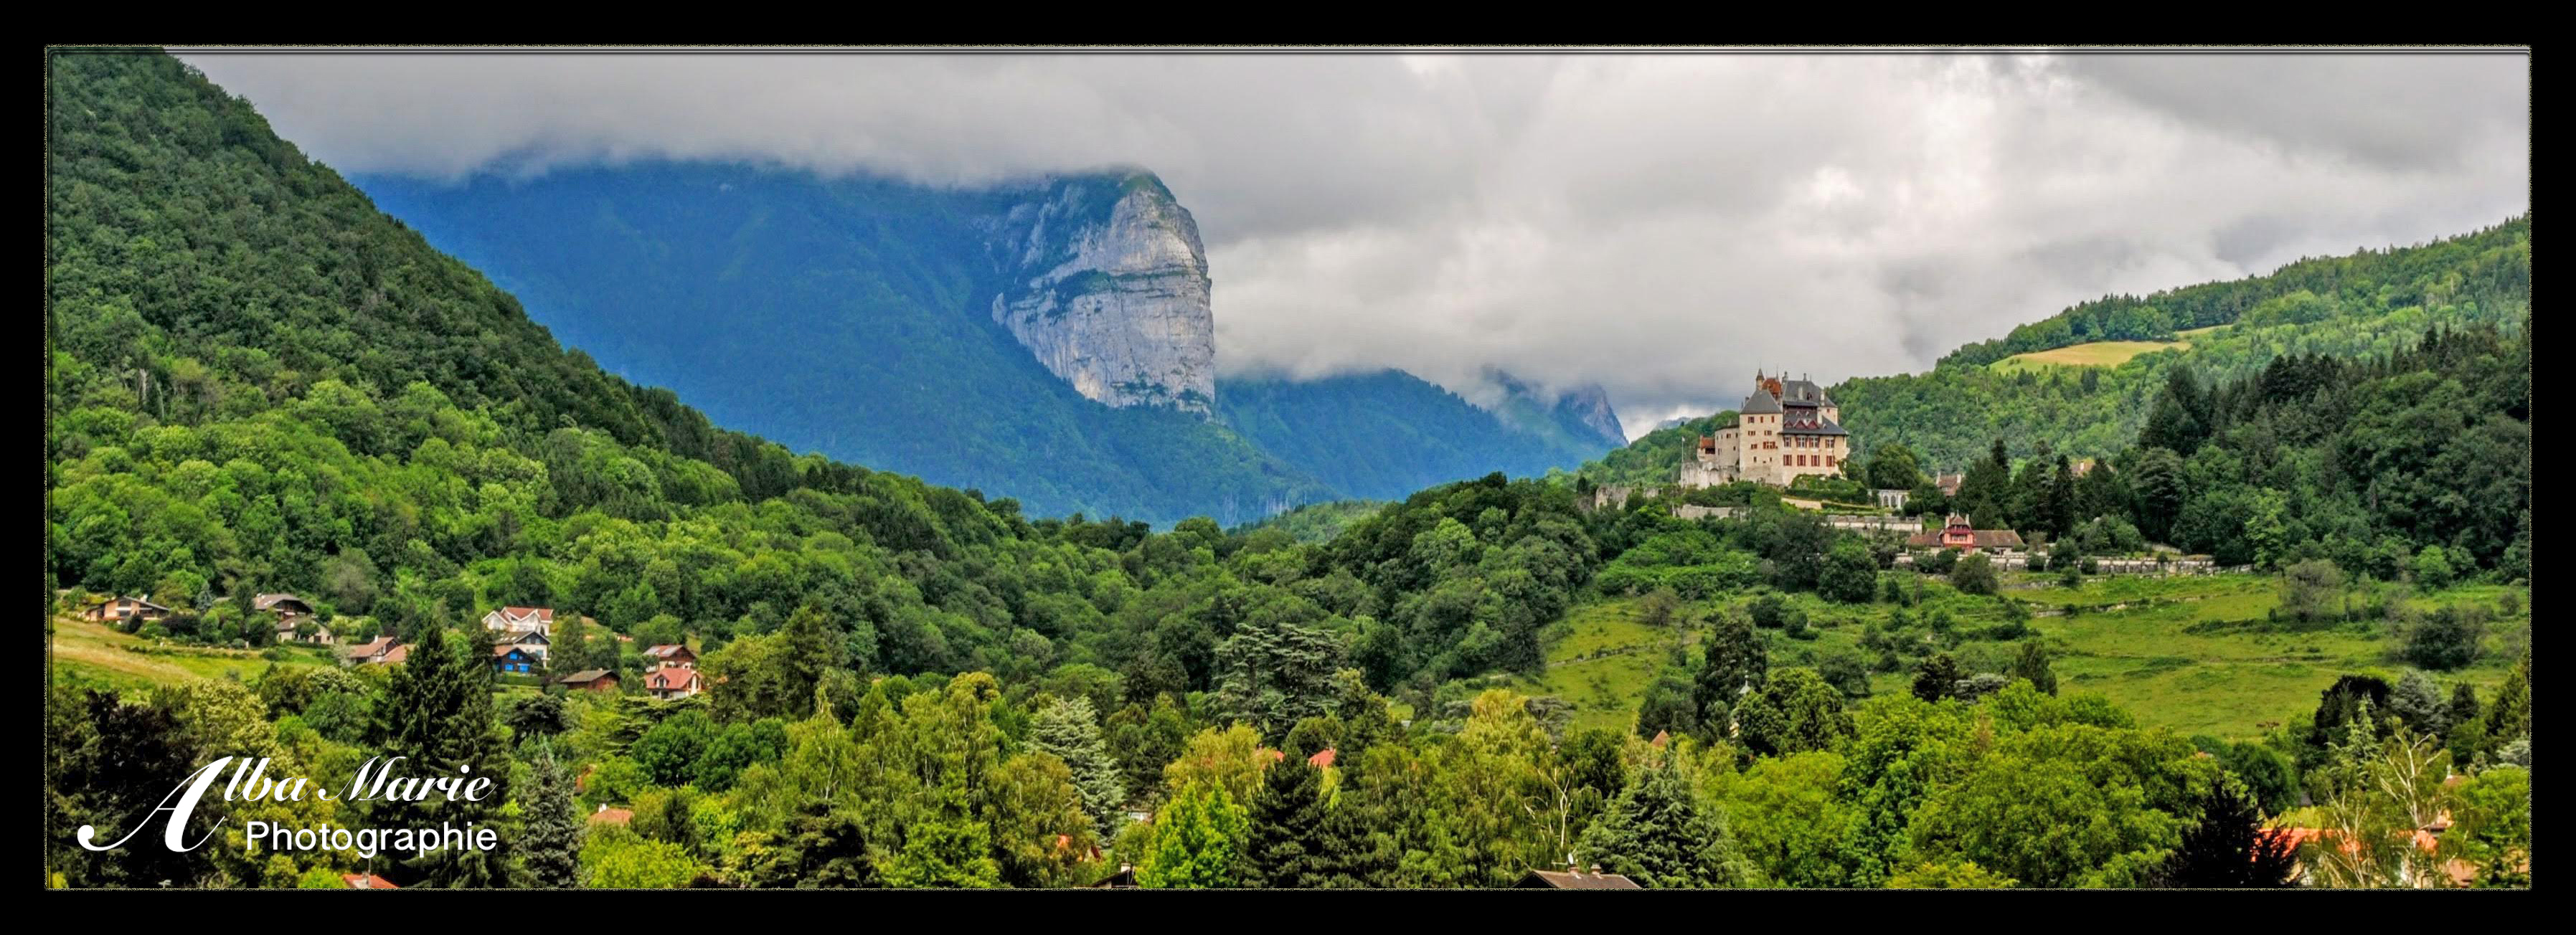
2228,849
2032,664
1286,848
550,848
1937,678
1069,731
1656,834
1734,662
437,716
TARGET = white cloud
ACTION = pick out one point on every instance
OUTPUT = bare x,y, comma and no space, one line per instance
1654,223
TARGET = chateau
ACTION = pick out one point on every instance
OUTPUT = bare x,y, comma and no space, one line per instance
1785,429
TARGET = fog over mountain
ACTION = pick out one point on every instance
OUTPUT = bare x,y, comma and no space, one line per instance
1657,223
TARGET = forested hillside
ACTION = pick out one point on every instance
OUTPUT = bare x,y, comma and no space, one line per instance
2374,303
258,383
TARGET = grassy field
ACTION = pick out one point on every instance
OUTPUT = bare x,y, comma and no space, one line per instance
2194,654
87,652
2096,354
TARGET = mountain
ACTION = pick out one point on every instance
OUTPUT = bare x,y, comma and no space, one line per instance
1052,339
1382,435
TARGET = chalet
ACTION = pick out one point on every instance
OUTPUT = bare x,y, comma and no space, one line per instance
531,641
1949,482
515,659
673,682
1574,877
672,656
283,605
1957,533
366,881
612,816
521,620
383,650
590,680
120,609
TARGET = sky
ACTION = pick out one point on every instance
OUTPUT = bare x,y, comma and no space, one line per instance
1658,224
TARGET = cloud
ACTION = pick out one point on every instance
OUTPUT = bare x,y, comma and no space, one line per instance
1658,224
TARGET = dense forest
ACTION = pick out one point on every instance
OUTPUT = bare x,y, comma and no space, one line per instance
259,383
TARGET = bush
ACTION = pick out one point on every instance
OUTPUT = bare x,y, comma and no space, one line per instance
2446,639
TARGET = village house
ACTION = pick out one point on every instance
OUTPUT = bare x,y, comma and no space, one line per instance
1787,429
383,650
533,642
291,629
672,682
1575,877
121,609
366,881
283,605
590,680
1957,533
671,656
515,659
1948,482
521,620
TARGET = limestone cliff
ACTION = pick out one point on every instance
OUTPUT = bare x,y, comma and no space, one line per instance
1107,285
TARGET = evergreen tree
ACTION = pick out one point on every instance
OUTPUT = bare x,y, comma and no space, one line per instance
2031,663
1286,848
1937,678
1734,662
550,848
2228,849
2468,738
1067,730
1657,834
437,716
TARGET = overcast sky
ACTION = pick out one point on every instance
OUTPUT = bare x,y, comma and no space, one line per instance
1659,224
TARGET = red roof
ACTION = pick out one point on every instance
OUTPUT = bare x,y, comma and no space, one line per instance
671,679
367,881
612,816
668,650
546,614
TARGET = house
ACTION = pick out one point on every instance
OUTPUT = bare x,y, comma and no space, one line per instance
283,605
290,629
1958,533
1785,430
612,816
367,881
521,620
1124,879
671,656
515,659
1949,482
121,609
534,642
383,650
590,680
1573,877
670,683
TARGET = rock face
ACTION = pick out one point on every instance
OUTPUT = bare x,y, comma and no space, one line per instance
1589,406
1108,287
